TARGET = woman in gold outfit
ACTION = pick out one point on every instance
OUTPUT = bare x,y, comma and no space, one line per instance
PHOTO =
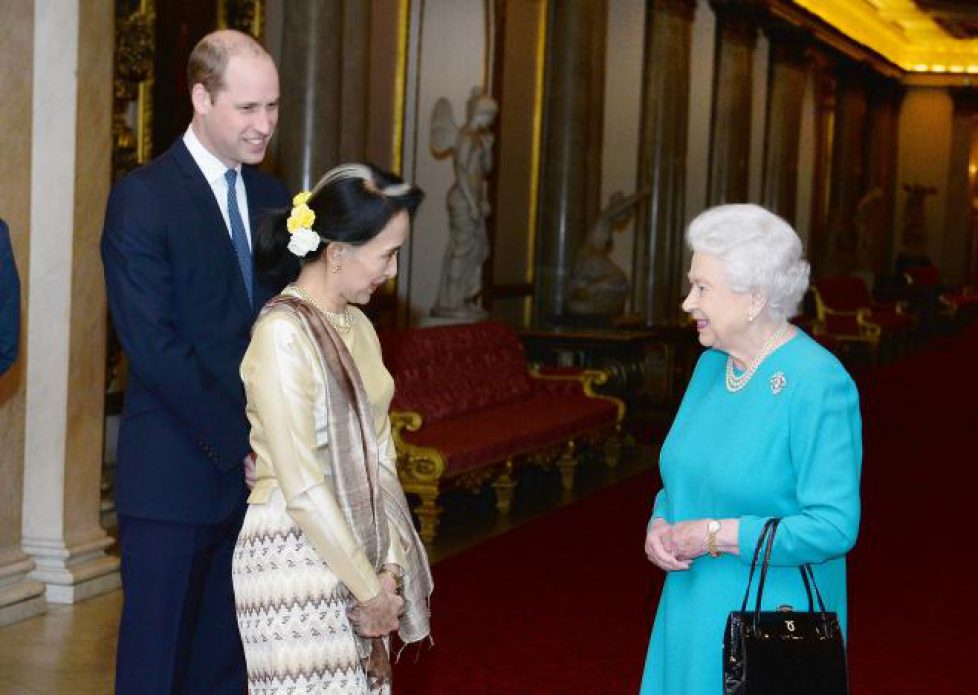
328,562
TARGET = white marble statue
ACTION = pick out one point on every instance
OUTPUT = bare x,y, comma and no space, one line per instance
468,245
597,286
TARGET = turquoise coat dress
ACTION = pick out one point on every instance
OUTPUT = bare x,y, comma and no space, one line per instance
787,445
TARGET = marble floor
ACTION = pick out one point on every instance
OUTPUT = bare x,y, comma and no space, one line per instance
71,649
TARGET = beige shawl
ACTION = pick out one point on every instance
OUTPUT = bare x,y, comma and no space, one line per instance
368,506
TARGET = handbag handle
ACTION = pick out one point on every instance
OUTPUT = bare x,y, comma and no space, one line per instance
807,576
753,565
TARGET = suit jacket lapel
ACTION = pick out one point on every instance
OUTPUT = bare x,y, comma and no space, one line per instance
215,230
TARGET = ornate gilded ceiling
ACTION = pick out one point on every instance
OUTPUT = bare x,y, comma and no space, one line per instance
924,36
958,17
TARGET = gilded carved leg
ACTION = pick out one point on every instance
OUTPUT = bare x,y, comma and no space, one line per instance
567,463
504,486
612,449
428,514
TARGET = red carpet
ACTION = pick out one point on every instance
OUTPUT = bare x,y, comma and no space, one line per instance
564,604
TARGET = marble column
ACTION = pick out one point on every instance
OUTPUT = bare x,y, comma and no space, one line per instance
324,72
657,268
733,87
846,187
823,77
957,254
20,596
70,173
570,163
883,132
788,72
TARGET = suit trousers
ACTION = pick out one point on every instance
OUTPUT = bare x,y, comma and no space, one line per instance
179,632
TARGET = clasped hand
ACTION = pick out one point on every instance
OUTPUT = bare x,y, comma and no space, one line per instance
378,616
673,547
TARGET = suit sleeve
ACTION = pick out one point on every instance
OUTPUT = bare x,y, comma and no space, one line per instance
141,294
277,371
826,455
9,302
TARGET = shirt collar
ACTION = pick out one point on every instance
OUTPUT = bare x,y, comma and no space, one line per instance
212,167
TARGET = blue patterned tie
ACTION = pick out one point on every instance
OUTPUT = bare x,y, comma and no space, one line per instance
238,233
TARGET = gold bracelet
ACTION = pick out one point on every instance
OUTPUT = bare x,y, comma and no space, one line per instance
712,527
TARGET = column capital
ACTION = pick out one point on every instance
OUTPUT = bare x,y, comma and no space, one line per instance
825,80
682,8
738,20
883,88
965,100
850,74
789,43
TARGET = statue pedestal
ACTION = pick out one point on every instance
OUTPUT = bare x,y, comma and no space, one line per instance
648,365
427,321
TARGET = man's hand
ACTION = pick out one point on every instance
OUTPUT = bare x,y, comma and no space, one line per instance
250,472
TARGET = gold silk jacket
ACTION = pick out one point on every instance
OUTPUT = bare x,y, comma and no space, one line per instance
286,392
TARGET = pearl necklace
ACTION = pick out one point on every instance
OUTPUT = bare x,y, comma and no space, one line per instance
735,383
342,322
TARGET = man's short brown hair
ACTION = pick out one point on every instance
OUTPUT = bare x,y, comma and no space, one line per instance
210,57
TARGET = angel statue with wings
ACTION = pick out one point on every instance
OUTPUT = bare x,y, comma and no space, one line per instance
468,245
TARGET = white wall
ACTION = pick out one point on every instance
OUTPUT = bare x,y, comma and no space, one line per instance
700,113
450,41
806,161
623,105
758,118
924,158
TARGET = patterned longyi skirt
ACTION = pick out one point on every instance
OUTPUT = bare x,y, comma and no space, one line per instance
292,611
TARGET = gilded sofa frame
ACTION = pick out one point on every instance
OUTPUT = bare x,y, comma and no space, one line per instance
421,469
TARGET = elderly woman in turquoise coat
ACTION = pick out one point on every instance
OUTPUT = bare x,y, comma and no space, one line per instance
769,427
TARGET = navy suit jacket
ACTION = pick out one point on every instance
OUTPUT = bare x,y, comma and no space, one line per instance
9,302
181,311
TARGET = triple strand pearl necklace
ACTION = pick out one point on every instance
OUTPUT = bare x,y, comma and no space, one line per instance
342,322
735,383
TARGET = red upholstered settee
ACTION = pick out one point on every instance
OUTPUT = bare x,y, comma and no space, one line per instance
468,408
847,313
924,282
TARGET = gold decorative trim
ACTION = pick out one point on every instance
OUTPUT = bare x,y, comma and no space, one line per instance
869,330
588,378
135,48
899,31
533,212
417,464
421,468
400,83
244,15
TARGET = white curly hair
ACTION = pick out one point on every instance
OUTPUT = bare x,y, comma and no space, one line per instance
760,252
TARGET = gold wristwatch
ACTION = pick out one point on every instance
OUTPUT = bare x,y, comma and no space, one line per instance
712,527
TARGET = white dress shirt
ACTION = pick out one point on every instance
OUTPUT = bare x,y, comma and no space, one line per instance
213,170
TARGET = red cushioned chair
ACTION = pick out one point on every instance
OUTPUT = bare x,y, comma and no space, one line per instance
847,313
467,408
957,304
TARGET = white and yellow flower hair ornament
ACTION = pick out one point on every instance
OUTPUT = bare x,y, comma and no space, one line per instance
299,224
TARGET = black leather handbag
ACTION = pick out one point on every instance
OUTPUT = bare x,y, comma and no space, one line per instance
784,651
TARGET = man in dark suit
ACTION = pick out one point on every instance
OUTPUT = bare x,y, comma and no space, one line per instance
9,302
183,293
